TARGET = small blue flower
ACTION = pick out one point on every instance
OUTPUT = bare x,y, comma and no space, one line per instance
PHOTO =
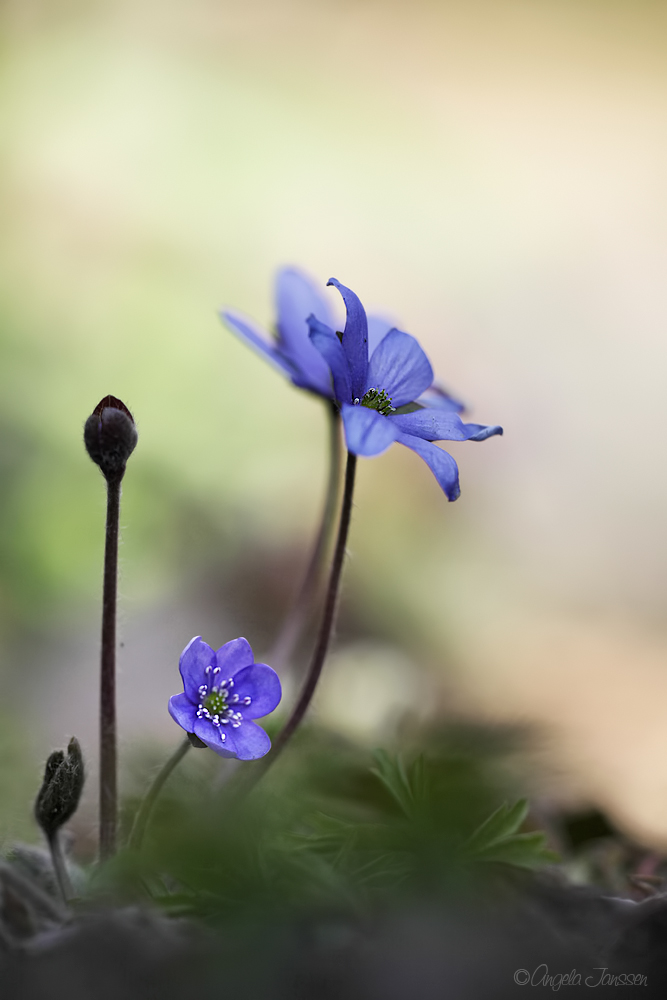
224,690
380,398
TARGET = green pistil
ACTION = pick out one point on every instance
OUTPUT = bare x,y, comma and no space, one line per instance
216,703
378,400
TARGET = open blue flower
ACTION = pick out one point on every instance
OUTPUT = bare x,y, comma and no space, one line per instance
380,397
291,351
224,690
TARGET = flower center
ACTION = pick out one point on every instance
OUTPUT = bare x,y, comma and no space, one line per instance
216,700
377,399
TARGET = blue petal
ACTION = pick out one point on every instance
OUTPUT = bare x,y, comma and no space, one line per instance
355,338
317,381
442,465
400,367
183,712
212,736
250,741
438,398
378,327
262,685
367,432
233,656
195,658
297,298
331,349
483,432
440,425
255,337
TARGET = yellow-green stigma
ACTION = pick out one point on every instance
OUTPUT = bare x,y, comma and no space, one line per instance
377,399
216,703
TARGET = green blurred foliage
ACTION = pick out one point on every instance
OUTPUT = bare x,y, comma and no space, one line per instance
331,829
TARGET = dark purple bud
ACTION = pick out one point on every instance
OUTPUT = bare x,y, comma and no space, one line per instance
110,437
61,789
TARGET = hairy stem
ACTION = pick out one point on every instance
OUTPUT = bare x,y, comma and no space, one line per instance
325,630
284,646
145,810
60,867
108,739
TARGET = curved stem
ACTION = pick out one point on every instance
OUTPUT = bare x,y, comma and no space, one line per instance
284,646
146,807
60,867
108,761
325,630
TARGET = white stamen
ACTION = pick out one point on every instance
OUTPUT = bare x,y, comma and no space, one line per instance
247,700
235,698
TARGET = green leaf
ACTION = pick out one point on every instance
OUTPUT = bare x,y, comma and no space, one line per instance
501,824
523,850
497,840
391,772
418,779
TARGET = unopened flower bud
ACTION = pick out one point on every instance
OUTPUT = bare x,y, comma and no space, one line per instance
110,436
61,789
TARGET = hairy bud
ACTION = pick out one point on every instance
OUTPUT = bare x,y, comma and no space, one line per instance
110,437
61,789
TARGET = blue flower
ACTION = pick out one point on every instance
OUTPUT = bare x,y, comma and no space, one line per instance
224,690
380,398
291,352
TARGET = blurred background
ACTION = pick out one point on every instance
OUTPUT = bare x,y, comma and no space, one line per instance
488,174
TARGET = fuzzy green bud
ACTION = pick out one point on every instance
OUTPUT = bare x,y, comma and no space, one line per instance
61,789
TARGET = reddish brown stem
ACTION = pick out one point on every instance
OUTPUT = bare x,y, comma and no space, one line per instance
323,636
284,646
108,737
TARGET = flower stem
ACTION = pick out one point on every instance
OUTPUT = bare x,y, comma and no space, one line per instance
284,646
60,867
146,807
325,630
108,739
